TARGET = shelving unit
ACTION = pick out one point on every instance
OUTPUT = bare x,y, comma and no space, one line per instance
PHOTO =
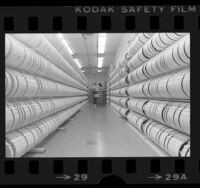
150,87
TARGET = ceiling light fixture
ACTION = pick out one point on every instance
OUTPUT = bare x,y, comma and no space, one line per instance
101,42
77,62
65,43
100,62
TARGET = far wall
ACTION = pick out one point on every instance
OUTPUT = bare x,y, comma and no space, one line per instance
96,77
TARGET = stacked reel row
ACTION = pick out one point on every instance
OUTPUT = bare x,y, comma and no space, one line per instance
44,88
150,88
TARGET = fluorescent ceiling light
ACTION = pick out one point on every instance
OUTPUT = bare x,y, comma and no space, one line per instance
82,71
101,42
99,70
60,35
101,49
102,34
77,62
65,43
100,62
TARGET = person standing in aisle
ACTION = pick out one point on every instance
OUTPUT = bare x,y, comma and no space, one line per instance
94,86
99,87
96,94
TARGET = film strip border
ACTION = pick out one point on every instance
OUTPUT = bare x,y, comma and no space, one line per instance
57,23
82,166
26,19
131,170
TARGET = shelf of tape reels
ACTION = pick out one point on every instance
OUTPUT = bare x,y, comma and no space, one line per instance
150,88
43,89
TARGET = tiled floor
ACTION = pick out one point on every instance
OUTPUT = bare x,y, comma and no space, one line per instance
95,132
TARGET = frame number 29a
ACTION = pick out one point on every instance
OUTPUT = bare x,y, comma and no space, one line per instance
169,177
175,177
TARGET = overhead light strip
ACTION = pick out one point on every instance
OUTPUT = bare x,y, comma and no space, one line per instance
101,47
69,49
78,63
100,62
101,42
66,44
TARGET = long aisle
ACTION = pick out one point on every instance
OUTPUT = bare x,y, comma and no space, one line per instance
95,132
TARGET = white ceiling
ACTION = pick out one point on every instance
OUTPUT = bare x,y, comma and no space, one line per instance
85,48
